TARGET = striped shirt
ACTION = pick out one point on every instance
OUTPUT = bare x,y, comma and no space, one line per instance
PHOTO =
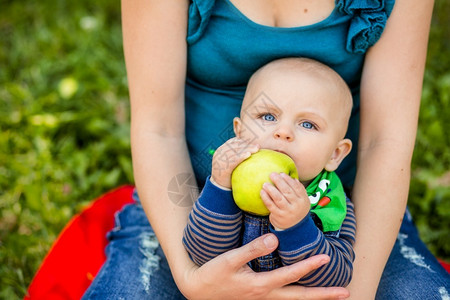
215,226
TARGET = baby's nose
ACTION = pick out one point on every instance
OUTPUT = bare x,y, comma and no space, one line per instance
283,133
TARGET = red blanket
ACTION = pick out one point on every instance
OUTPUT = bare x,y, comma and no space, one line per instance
78,253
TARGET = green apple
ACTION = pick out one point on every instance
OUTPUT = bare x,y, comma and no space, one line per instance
249,176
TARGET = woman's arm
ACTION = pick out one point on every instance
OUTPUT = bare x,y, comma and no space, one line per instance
155,54
390,98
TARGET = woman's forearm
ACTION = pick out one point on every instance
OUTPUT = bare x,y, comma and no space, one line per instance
391,87
157,161
380,195
154,35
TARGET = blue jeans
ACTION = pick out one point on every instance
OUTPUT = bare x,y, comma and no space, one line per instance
412,272
136,267
255,226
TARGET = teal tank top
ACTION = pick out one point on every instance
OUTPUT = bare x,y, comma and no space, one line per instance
225,48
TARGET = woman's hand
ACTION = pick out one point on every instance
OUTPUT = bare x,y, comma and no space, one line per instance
229,277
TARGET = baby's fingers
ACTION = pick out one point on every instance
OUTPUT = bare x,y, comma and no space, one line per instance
295,185
234,151
273,198
284,186
267,200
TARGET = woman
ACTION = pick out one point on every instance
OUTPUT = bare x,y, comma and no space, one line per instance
182,93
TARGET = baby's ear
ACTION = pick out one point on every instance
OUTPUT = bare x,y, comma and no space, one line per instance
342,150
237,126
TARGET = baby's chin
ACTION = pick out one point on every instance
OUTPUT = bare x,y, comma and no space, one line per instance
305,182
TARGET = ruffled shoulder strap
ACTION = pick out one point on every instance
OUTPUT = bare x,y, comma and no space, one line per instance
368,21
199,14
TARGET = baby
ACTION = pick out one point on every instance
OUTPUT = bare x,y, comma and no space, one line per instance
301,108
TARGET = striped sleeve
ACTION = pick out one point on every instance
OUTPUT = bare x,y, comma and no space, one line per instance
214,225
338,272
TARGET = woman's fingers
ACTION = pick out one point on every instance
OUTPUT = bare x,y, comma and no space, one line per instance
276,281
309,293
264,245
292,273
258,247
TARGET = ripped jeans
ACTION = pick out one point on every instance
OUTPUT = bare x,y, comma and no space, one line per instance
136,267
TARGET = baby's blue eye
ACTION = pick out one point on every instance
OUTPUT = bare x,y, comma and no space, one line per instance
268,117
307,125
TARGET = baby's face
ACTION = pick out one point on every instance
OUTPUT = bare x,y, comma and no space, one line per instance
300,118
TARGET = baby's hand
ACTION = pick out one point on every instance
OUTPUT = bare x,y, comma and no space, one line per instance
287,200
227,157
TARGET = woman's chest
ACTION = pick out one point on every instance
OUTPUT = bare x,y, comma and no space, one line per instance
285,13
233,47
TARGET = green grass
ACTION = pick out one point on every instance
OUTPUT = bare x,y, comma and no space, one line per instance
64,120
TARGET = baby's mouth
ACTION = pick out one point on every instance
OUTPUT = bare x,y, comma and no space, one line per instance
281,151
